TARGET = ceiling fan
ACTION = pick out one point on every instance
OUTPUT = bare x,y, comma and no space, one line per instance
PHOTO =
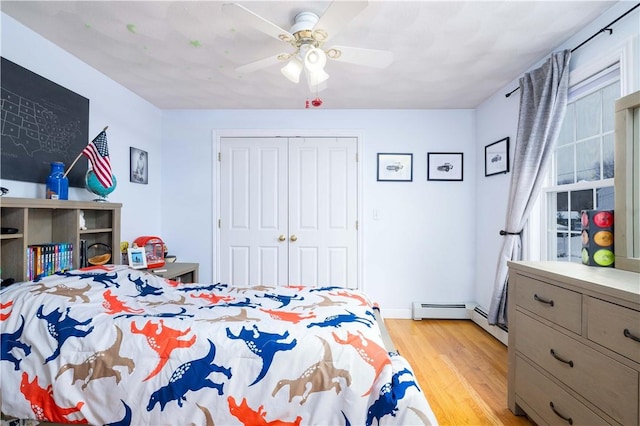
308,36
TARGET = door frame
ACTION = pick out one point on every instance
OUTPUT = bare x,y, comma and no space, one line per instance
288,133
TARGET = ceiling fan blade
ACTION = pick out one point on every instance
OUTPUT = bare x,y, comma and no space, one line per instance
359,56
338,15
262,63
245,15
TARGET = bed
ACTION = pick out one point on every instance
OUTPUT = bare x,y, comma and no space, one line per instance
111,345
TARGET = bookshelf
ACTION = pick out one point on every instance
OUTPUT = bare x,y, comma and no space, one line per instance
42,221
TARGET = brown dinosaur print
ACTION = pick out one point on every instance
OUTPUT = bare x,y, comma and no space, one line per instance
322,376
113,305
64,290
250,417
43,405
163,340
241,317
256,288
5,306
207,415
101,364
181,301
361,299
326,302
372,353
291,317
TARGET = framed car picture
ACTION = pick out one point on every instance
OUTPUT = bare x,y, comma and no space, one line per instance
395,167
496,157
444,166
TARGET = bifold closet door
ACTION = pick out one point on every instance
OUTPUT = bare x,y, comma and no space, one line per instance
253,211
323,212
288,211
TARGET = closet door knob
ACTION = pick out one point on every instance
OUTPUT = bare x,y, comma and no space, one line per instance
294,238
282,238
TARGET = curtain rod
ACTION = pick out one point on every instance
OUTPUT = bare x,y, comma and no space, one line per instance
605,29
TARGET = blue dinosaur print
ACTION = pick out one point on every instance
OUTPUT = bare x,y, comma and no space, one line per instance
390,394
62,329
104,278
180,315
211,287
330,288
240,304
337,320
12,340
144,288
283,299
263,344
126,420
190,376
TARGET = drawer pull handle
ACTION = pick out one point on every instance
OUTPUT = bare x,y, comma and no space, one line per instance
628,334
541,300
553,354
566,419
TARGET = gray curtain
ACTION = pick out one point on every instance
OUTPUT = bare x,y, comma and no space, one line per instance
543,103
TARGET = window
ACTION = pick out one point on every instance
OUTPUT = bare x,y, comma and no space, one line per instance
581,176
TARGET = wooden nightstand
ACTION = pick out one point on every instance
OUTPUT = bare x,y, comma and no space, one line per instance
182,272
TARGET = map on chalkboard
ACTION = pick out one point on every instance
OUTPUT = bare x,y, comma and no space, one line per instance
41,122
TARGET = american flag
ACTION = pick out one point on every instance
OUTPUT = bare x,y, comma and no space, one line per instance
98,153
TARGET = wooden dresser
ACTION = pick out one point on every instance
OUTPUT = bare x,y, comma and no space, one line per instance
574,344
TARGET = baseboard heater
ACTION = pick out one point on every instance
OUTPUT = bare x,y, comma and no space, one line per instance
441,311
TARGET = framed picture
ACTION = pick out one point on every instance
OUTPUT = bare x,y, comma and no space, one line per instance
395,167
496,157
444,166
139,166
137,258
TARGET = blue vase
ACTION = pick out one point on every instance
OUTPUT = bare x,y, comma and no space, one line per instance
57,183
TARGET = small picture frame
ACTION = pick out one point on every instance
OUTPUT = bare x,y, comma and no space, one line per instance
496,157
445,166
395,167
138,166
137,258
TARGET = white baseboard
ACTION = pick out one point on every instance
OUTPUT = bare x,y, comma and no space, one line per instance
493,330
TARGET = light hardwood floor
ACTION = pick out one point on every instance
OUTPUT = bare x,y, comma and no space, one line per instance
461,369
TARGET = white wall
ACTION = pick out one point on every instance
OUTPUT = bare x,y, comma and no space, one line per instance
498,117
421,248
132,121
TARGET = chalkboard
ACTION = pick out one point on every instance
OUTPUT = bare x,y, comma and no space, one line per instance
41,122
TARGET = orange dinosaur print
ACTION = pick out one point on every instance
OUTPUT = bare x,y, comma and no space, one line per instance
163,340
213,299
372,353
362,300
292,317
5,306
249,417
113,305
43,405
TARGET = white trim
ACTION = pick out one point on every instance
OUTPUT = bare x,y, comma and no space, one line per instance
218,134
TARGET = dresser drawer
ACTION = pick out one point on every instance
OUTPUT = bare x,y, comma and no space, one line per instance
608,384
558,305
540,393
606,325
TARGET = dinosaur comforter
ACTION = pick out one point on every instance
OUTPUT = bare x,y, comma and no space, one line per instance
116,346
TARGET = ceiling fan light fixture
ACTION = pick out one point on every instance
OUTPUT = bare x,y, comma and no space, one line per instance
316,78
315,59
293,70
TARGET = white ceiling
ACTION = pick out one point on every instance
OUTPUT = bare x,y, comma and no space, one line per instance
182,54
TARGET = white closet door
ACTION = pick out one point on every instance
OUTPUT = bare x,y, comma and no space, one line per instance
323,212
288,211
253,211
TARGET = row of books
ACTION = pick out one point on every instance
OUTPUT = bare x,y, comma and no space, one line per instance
47,259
